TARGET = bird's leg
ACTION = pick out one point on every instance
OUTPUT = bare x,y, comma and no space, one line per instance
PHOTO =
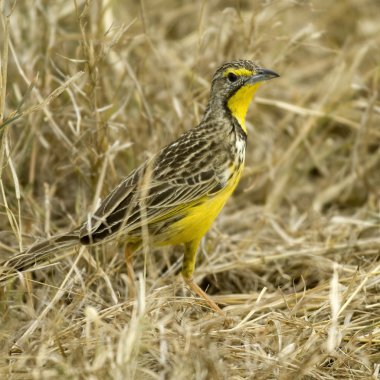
188,266
129,251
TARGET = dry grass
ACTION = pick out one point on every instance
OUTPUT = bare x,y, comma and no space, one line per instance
90,90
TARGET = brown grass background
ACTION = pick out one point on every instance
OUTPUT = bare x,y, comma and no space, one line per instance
91,89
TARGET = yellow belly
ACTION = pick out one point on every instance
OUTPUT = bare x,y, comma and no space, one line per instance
200,217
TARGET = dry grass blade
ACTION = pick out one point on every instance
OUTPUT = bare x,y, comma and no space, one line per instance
14,116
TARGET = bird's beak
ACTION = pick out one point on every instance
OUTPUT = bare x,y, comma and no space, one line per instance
262,75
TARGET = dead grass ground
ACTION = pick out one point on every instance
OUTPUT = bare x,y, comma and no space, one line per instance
93,89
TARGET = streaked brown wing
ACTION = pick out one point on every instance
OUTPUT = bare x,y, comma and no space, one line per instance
158,189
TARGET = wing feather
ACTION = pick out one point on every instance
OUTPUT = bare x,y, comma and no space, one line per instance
159,189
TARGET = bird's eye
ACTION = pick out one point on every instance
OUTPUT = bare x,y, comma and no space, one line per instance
232,77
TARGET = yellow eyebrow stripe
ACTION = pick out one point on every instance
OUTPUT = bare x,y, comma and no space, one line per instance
238,72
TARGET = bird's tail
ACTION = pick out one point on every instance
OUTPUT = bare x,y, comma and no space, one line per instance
36,254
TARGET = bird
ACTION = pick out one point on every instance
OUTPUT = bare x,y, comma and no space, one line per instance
174,197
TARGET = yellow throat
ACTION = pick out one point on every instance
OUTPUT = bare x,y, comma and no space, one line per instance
239,102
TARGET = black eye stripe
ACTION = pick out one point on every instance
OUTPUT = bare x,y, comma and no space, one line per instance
232,77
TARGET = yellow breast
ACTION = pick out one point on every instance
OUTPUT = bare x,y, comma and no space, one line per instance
200,217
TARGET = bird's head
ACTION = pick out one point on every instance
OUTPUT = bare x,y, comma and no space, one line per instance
234,85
